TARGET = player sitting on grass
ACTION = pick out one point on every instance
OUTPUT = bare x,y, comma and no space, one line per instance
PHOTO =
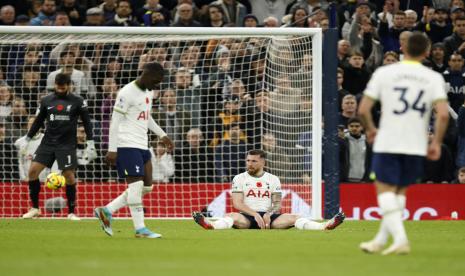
257,195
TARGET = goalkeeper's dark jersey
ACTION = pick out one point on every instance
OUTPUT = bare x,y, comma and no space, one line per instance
60,114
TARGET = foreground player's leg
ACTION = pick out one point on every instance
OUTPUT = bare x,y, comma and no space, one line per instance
34,189
71,193
400,244
226,222
307,224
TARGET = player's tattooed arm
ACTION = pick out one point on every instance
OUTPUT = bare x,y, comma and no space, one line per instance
275,203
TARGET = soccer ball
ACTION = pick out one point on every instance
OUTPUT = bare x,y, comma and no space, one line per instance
55,181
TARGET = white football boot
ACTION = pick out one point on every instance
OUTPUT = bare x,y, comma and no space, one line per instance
32,213
398,249
371,247
72,216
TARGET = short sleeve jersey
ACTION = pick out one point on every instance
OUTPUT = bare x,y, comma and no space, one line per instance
406,91
257,190
135,104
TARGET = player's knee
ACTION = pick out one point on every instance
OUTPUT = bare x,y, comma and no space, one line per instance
34,172
69,176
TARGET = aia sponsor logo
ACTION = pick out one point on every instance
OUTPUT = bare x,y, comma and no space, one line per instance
258,194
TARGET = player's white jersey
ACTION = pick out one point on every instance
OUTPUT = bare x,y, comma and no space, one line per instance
135,104
25,157
257,190
406,91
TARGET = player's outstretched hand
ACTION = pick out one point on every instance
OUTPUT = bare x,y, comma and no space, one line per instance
434,151
111,158
259,221
167,142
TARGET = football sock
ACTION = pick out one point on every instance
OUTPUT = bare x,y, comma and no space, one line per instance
392,216
223,223
134,200
402,200
306,224
122,199
34,190
71,196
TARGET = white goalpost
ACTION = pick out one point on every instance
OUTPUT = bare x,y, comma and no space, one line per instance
226,91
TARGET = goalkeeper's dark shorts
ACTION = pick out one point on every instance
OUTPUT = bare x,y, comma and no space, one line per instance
253,222
65,157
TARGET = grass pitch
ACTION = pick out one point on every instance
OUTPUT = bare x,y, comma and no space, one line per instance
61,247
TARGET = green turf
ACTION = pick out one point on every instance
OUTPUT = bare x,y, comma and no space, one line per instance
60,247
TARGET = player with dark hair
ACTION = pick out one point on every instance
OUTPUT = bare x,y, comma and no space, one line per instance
61,111
257,196
128,148
408,92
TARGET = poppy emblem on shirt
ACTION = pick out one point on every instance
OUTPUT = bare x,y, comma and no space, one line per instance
60,107
147,100
259,184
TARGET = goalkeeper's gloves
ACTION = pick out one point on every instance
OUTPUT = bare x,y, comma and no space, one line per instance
90,149
24,145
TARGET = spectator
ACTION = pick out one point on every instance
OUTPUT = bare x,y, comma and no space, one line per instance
362,38
172,118
16,122
356,75
299,18
456,41
67,64
264,9
285,98
22,20
460,160
391,7
74,11
349,110
194,160
83,157
457,11
460,176
46,16
270,21
187,97
7,15
362,9
110,90
455,81
162,164
186,18
230,155
390,58
357,151
214,16
403,38
8,160
109,9
250,21
149,10
28,87
441,170
94,17
390,36
437,57
225,118
341,91
277,160
6,101
437,27
234,11
411,18
311,5
123,17
258,118
343,52
61,19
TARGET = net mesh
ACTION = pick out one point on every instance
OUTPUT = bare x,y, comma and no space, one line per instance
222,96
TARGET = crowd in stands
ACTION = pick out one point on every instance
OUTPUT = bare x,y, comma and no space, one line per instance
212,102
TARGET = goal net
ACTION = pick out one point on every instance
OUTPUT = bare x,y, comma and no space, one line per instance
226,91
